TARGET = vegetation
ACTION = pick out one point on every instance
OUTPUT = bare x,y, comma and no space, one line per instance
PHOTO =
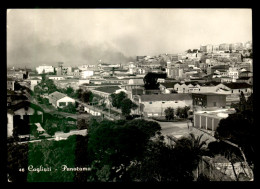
150,81
169,113
126,106
45,86
239,128
121,101
182,112
70,108
113,150
117,99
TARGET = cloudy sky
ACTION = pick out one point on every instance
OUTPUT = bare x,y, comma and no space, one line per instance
78,36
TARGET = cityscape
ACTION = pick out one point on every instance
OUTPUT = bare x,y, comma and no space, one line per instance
159,117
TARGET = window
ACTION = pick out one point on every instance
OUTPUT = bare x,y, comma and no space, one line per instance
150,102
232,91
214,104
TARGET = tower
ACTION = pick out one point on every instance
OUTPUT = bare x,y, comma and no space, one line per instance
59,68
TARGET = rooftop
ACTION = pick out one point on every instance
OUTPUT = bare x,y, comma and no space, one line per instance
57,95
169,84
237,85
110,89
209,94
166,97
23,104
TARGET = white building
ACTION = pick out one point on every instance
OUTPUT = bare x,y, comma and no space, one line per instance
44,69
86,73
233,73
56,77
33,82
59,100
155,105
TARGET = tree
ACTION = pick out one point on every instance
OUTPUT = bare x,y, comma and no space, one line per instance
126,106
115,146
70,108
117,99
86,96
239,128
79,93
149,128
169,113
150,81
81,124
17,159
69,91
34,131
190,150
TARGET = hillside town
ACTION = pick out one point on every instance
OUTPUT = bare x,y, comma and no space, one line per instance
200,86
130,95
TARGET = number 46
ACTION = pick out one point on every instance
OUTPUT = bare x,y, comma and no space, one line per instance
21,169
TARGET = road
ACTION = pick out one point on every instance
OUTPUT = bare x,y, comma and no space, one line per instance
59,135
179,129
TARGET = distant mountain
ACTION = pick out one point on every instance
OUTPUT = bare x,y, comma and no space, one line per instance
38,53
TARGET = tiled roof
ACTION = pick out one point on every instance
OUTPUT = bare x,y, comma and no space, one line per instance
57,95
23,104
110,89
220,67
166,97
169,84
244,78
208,94
237,85
212,83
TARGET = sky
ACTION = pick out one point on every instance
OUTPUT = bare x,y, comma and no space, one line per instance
85,36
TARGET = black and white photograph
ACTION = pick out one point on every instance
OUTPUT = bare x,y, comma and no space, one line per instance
140,95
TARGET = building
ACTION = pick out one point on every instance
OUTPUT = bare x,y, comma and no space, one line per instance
74,83
105,91
237,88
86,73
233,73
10,83
224,47
203,48
222,69
209,120
21,115
207,100
154,105
60,100
246,74
187,87
215,48
209,48
45,69
33,82
168,87
248,80
56,77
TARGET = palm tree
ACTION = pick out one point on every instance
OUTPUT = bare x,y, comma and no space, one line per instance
194,146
